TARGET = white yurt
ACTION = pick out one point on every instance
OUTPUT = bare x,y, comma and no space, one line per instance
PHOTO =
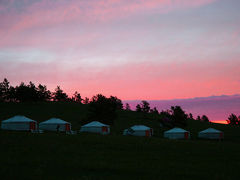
139,130
95,127
177,133
211,133
19,123
55,124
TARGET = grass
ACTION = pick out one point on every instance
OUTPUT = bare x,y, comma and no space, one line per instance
90,156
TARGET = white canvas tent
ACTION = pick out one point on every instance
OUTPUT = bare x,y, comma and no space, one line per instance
95,127
139,130
211,133
19,123
55,124
177,133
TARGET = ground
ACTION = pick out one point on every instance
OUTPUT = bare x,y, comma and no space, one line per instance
90,156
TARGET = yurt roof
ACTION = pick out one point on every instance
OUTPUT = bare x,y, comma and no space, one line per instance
176,130
140,127
95,124
18,119
54,121
210,130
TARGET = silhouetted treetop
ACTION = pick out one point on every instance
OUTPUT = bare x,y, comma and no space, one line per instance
59,95
174,117
179,116
127,107
198,118
86,100
233,119
144,106
104,109
205,118
43,93
77,97
154,111
4,90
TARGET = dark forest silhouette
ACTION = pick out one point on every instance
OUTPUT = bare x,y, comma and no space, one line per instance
101,108
32,93
233,120
104,109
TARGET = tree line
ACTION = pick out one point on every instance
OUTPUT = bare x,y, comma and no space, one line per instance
175,116
35,93
101,108
233,119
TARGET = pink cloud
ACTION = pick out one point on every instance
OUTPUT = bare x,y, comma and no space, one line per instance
29,24
91,54
47,13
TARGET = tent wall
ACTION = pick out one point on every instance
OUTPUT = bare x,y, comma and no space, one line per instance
183,135
147,133
53,127
101,129
19,126
211,135
139,133
125,132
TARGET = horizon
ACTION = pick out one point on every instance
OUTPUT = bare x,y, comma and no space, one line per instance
77,90
216,108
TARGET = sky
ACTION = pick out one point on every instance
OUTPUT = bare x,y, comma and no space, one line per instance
217,108
132,49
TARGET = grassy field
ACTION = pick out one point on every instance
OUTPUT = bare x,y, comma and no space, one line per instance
91,156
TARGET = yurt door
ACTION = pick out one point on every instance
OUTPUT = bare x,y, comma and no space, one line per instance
147,133
32,126
67,127
104,129
186,135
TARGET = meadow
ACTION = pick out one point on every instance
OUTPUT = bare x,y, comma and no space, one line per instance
90,156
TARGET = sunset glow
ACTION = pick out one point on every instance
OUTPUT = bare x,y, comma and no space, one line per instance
220,121
140,49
